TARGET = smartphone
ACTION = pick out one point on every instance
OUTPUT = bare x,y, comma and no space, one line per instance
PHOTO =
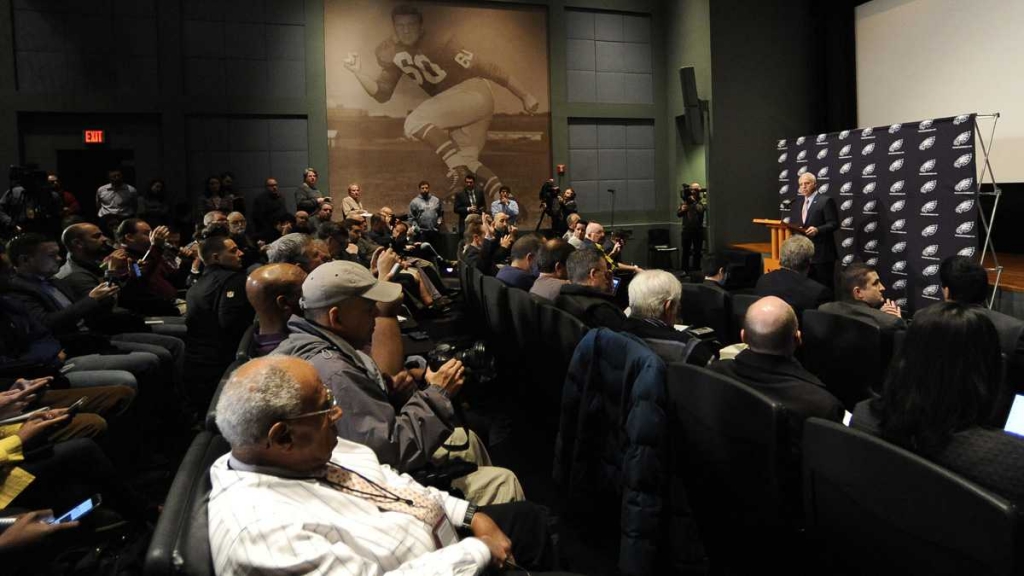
77,406
136,271
1015,422
615,285
78,511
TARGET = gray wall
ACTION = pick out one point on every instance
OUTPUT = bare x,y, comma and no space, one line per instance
765,85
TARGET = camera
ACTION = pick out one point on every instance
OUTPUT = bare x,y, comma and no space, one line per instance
476,360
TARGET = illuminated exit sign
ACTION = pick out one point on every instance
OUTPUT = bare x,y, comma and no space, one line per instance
94,136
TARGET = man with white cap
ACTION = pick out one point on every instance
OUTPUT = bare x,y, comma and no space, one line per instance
405,426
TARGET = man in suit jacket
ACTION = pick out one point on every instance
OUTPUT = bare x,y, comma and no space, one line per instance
791,282
966,281
469,201
820,219
716,272
771,332
588,296
654,298
862,299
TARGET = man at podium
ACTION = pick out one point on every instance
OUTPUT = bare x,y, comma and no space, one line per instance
819,220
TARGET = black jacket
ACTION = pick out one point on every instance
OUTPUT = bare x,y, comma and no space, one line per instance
29,291
265,213
787,381
594,308
796,289
822,215
1010,329
462,204
218,313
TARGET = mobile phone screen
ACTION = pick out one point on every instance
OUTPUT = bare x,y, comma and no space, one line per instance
78,511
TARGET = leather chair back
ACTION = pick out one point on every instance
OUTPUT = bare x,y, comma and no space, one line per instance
881,509
496,309
845,353
181,543
705,306
740,303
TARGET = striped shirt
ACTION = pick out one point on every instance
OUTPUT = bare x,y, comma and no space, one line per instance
263,522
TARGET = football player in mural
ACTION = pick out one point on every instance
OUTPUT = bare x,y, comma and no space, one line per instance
454,120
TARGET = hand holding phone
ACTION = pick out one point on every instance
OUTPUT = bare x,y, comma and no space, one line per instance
77,512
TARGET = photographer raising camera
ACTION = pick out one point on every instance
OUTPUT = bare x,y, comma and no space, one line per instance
691,210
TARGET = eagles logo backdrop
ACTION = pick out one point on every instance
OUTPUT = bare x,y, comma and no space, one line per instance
907,196
432,91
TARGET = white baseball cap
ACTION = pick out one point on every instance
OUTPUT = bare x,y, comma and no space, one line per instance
340,280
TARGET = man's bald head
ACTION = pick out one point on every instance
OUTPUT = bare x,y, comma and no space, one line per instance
275,288
770,327
594,233
85,240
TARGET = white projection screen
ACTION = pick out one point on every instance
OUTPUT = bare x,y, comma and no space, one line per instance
921,59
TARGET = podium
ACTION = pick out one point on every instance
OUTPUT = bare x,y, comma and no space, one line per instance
780,232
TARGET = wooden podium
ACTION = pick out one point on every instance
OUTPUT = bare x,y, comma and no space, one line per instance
780,232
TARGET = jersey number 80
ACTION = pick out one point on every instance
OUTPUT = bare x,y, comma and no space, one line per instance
420,68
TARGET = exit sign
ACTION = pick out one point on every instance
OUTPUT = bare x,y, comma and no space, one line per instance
94,136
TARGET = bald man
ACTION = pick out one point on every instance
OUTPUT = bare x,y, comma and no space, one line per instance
772,335
594,238
274,291
352,204
818,216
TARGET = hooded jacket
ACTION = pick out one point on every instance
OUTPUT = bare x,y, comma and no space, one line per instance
403,437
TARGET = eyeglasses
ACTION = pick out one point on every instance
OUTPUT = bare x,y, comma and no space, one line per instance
332,406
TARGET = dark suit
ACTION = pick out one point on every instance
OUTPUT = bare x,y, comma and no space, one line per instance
797,290
463,202
1010,329
823,215
788,382
864,312
594,308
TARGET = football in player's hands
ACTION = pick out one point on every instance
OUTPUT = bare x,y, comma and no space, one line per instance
530,103
352,61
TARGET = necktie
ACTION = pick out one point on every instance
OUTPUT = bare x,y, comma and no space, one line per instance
807,205
418,504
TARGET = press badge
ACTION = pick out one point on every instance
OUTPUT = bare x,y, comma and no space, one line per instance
444,533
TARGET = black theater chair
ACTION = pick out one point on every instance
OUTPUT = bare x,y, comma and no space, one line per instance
705,306
877,508
525,325
181,544
740,303
496,305
731,447
210,422
845,353
245,345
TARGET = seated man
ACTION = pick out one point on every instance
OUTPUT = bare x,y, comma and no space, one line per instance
218,314
551,260
791,282
965,281
293,498
238,226
862,299
302,250
153,293
274,291
771,333
654,297
405,426
588,295
595,238
519,274
716,271
481,249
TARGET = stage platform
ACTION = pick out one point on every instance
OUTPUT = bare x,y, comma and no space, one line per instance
1011,281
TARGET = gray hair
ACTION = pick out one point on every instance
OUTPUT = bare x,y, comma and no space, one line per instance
289,249
808,176
209,216
580,263
250,404
649,291
796,253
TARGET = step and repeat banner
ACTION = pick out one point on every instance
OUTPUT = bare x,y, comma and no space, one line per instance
907,197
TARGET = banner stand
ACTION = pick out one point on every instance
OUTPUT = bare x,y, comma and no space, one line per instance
989,221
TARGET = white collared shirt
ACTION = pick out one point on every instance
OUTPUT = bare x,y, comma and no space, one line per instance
261,523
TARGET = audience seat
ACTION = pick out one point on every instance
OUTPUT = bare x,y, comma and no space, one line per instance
180,544
525,323
845,353
496,310
660,252
245,345
740,303
880,509
210,422
704,306
731,450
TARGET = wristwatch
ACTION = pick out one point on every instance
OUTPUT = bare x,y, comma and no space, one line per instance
470,512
